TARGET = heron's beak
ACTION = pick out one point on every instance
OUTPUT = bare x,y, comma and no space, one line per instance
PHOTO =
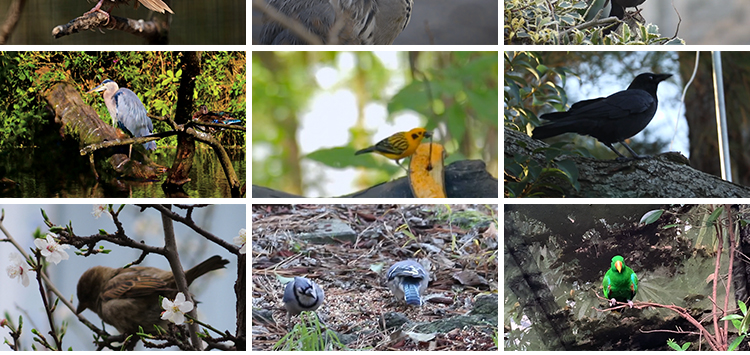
97,89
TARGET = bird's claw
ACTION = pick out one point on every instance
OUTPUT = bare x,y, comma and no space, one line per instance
612,302
630,303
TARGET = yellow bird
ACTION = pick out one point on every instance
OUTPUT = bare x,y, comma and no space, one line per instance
398,146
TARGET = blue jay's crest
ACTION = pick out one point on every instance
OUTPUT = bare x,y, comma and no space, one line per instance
408,281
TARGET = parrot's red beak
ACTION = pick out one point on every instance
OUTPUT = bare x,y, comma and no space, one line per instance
618,265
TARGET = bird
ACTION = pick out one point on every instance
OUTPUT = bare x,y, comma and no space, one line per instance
127,111
153,5
203,115
618,7
408,281
364,21
618,10
609,119
620,284
300,295
128,298
399,145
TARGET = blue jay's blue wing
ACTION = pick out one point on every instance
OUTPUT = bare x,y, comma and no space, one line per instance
408,281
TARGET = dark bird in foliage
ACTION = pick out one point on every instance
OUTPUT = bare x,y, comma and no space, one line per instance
361,21
618,10
618,7
610,119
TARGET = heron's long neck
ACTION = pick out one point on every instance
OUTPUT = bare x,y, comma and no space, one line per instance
111,107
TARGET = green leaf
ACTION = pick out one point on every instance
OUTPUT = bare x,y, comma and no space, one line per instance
714,216
736,343
651,217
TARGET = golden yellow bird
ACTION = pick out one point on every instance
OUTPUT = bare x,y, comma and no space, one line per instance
398,146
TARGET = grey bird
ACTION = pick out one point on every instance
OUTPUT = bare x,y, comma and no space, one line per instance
364,21
127,111
408,281
302,295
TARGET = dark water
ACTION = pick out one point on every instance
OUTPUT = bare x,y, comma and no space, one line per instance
62,172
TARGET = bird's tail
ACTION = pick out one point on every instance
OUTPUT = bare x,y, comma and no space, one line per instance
549,130
213,263
366,150
411,293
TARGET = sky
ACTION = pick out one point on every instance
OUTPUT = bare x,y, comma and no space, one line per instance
216,292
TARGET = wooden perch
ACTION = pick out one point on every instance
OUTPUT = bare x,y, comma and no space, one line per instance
154,31
667,175
465,178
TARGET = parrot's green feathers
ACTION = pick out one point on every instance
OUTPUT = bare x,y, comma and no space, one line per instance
620,282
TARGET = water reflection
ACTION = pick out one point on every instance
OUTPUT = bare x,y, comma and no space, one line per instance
41,173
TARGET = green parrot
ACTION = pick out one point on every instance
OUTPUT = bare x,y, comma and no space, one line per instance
620,283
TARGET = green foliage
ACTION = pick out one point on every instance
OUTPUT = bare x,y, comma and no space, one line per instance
568,22
153,76
530,86
677,347
525,177
741,323
309,335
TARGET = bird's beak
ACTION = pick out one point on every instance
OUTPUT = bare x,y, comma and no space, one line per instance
618,266
96,89
661,77
427,134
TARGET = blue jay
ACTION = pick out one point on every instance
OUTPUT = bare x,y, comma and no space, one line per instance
408,280
302,295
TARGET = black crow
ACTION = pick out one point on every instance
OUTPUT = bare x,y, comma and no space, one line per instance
618,10
610,119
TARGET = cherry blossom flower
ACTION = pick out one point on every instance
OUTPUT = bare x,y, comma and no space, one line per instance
18,268
175,311
241,240
99,209
54,252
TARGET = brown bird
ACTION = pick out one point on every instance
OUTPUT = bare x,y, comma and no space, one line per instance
153,5
129,298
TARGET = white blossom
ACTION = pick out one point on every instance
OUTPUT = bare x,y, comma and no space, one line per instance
175,311
241,240
51,250
18,268
99,209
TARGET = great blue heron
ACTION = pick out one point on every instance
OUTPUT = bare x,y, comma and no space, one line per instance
153,5
127,111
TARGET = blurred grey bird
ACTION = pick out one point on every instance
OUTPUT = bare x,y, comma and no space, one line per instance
302,295
408,281
362,21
